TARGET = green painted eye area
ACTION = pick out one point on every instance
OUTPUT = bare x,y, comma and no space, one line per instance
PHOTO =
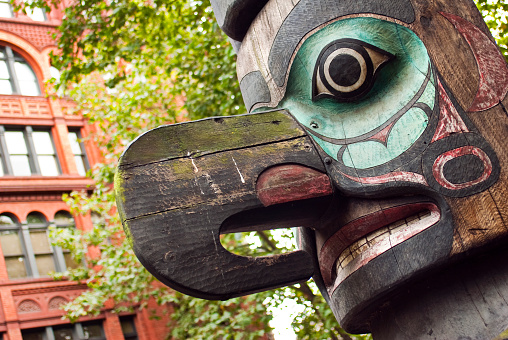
364,89
346,70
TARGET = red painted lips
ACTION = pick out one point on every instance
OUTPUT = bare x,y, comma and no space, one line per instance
367,237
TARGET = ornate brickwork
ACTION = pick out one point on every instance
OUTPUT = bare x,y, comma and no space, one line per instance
56,302
10,107
28,306
39,36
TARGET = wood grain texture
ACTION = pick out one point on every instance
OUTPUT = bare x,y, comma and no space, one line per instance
269,21
180,186
449,51
235,16
452,305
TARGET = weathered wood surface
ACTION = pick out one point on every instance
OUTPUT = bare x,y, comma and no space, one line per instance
466,301
180,186
418,163
458,163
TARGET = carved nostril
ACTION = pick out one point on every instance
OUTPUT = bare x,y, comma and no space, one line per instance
314,125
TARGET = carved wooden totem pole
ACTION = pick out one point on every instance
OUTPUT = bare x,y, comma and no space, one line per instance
379,129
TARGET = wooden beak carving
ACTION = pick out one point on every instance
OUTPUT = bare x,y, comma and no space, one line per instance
179,187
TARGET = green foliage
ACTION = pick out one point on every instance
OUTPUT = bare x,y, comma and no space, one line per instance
495,14
131,65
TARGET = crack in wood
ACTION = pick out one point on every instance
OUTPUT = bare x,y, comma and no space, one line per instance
190,155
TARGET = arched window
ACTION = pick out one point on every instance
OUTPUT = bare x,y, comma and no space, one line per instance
39,244
16,75
63,219
12,245
27,248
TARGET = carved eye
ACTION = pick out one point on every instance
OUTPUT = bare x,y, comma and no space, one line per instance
346,69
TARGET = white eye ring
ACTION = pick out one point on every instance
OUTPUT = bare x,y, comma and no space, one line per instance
335,70
361,61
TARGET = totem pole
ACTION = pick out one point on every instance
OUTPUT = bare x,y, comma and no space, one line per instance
378,128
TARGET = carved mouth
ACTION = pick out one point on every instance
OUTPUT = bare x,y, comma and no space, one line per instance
363,239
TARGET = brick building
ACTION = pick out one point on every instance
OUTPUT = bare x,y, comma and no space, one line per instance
40,159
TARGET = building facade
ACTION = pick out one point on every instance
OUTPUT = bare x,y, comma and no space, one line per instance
42,157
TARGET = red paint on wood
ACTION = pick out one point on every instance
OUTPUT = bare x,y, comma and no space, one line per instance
491,64
449,119
439,163
291,182
401,176
382,136
361,227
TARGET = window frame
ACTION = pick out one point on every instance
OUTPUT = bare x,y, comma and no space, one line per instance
35,169
17,227
48,332
24,229
129,319
11,57
82,155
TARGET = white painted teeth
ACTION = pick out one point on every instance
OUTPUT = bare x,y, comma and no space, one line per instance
383,239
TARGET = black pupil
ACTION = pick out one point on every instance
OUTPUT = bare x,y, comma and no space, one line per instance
345,70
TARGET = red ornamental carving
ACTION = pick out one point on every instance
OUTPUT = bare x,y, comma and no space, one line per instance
449,119
363,226
390,177
287,183
491,64
439,163
28,306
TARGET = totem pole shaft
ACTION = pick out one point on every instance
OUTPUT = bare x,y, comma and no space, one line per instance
376,127
468,301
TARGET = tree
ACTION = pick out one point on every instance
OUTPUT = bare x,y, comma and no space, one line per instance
131,66
495,13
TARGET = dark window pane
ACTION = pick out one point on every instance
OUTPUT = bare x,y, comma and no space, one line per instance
16,267
45,264
64,218
40,241
93,331
63,333
127,325
35,218
30,334
128,328
10,242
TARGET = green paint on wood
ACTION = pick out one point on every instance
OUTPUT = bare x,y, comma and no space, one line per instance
404,133
396,85
209,136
